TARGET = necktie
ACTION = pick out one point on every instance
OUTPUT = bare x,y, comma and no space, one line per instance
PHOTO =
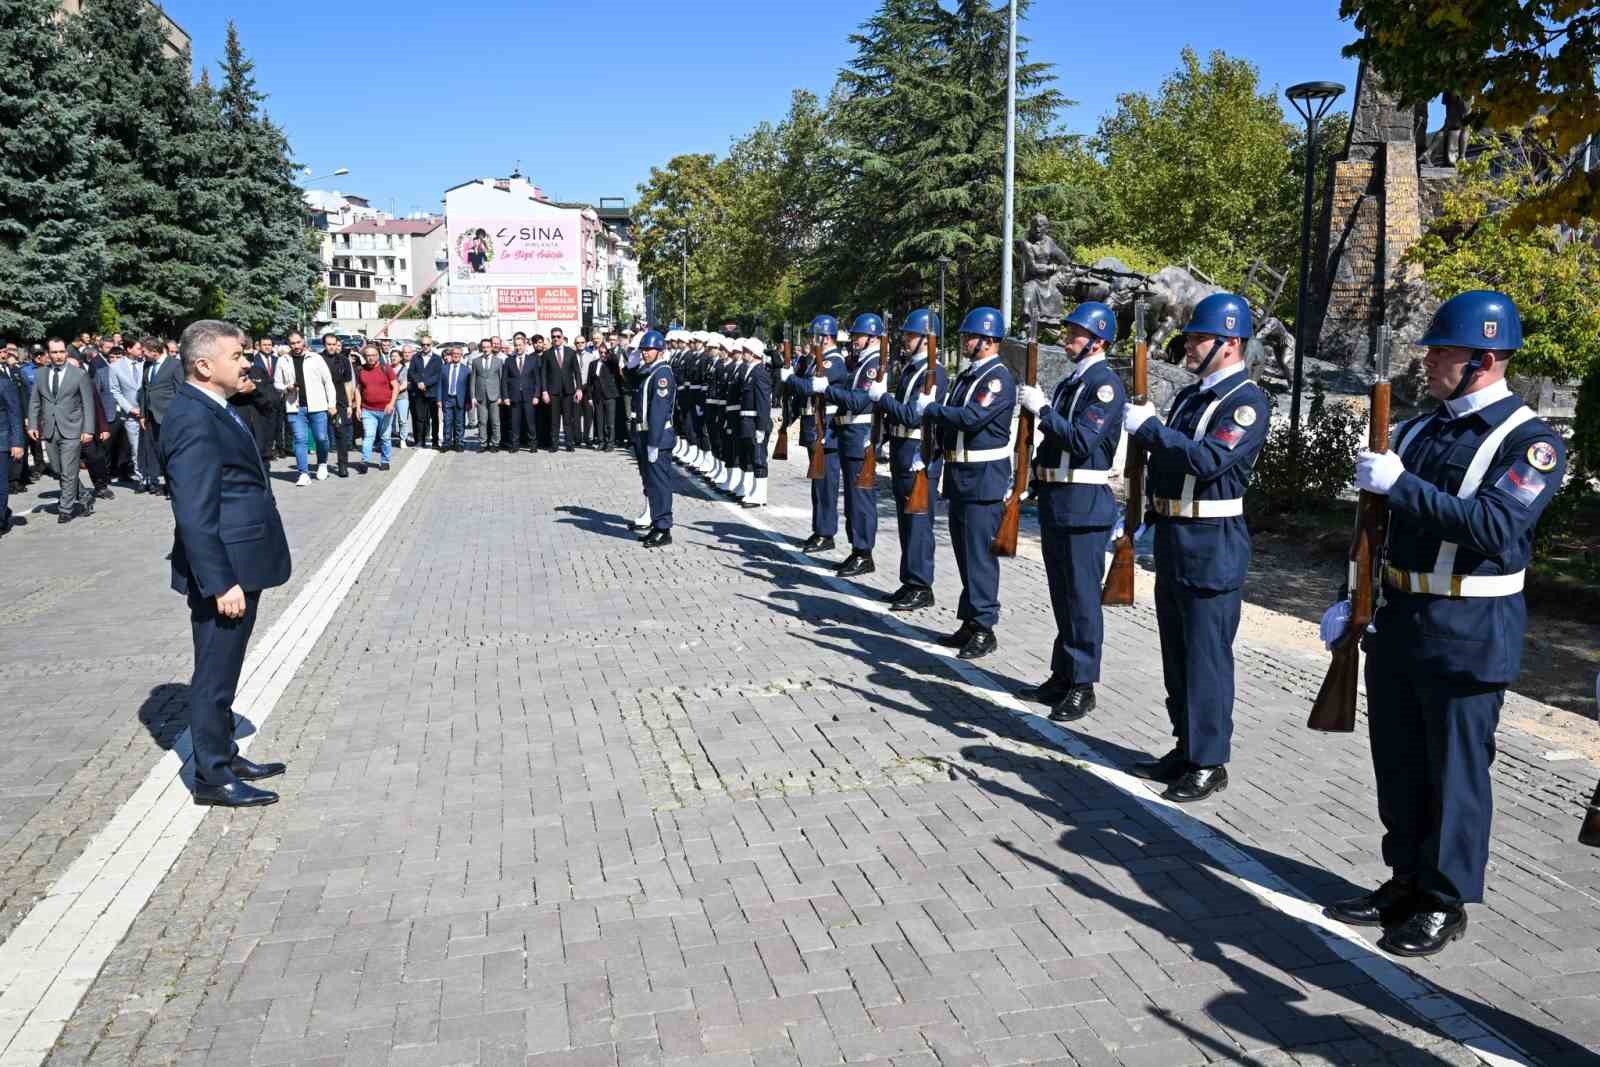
55,381
237,421
453,369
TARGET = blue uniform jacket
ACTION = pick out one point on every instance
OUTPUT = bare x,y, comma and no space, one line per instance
1086,441
1205,553
976,418
10,414
653,406
1475,639
833,369
755,405
901,422
855,406
227,527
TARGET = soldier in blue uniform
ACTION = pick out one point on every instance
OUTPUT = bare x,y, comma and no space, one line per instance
974,425
825,490
683,417
853,425
653,406
1200,463
755,423
1082,424
902,427
1466,484
736,370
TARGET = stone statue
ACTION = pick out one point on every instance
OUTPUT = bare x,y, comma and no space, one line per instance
1044,269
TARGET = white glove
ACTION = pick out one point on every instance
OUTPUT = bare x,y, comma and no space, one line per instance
653,454
1135,415
785,374
1376,472
918,465
924,402
1032,398
1334,622
819,386
875,391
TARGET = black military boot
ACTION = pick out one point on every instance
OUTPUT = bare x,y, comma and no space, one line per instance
1391,904
1048,691
1167,769
959,638
913,598
657,538
858,563
897,594
818,543
1428,931
1197,783
981,643
1074,705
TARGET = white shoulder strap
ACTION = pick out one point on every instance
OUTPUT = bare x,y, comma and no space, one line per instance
1444,564
1200,430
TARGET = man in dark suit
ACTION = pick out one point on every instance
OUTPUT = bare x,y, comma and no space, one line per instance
423,382
11,439
563,389
163,373
257,399
455,398
97,454
605,387
228,546
520,386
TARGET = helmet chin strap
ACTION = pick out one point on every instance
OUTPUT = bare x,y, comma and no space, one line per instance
1216,346
1468,373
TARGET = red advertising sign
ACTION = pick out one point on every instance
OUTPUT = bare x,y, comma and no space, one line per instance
517,301
557,303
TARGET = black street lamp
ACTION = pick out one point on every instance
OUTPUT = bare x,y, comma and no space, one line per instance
1312,100
944,263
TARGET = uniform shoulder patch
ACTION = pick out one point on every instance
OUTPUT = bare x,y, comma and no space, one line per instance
1522,482
1230,436
872,374
1542,456
1244,415
661,386
993,385
1105,394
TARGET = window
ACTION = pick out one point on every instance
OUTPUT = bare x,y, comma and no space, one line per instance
366,282
402,264
405,290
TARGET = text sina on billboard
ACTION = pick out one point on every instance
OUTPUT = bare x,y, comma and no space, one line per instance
514,247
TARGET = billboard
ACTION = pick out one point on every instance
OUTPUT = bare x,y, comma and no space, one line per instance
544,302
541,246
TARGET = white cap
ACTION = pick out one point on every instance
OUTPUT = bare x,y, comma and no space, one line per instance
713,341
754,346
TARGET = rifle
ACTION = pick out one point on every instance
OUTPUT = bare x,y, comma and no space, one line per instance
780,447
868,478
1118,590
1005,539
1335,708
917,502
819,414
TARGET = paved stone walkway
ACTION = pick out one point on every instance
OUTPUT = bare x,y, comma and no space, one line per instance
557,800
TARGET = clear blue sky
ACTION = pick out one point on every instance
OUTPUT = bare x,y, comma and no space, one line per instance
417,95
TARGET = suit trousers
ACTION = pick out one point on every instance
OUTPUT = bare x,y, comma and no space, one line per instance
1197,628
342,435
825,497
605,422
5,485
65,455
1432,746
150,463
1074,568
454,424
488,424
134,438
563,413
586,428
219,648
422,412
97,458
973,524
521,431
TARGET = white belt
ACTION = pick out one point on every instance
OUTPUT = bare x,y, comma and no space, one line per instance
1071,476
981,455
1454,586
748,414
1196,509
718,403
907,432
645,426
851,420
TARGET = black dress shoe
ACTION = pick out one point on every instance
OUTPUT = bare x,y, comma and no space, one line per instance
960,637
1430,930
817,544
914,599
1167,769
1048,691
981,643
811,542
897,594
105,494
86,508
363,468
1391,904
383,466
341,471
1196,784
244,770
232,795
1078,702
858,563
139,490
64,517
657,538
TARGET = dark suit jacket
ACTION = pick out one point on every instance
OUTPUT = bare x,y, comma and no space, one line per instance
605,382
263,401
458,397
429,375
563,376
100,369
227,527
10,413
158,391
525,386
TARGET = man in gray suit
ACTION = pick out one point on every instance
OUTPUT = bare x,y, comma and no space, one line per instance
61,414
486,387
163,373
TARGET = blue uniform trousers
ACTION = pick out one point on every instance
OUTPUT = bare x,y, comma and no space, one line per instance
825,497
916,531
657,479
702,425
1432,744
691,422
1074,567
860,506
973,525
1197,628
219,648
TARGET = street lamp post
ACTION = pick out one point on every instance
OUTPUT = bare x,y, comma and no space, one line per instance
341,172
686,277
1312,100
1011,161
944,262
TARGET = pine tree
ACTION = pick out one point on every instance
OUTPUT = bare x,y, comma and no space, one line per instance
51,248
273,283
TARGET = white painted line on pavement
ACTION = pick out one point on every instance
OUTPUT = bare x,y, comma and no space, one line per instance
55,953
1250,874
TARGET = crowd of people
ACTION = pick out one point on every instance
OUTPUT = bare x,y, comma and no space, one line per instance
96,405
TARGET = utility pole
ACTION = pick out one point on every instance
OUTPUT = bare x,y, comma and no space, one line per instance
1011,166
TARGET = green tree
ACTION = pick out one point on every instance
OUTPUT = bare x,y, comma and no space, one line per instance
52,251
677,206
1528,64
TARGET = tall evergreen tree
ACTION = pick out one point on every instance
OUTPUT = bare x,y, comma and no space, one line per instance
51,248
274,280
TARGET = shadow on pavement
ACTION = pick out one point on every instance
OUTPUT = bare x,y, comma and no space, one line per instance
599,522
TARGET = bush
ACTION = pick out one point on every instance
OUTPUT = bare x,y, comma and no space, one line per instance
1330,437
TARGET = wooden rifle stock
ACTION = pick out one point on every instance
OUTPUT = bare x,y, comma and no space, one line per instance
1334,710
868,478
780,448
918,503
1005,538
819,413
1118,590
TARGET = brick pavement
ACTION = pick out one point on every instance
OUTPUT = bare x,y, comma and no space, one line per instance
556,800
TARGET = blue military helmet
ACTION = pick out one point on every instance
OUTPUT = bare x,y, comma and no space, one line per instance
824,326
1481,319
652,339
867,323
1221,315
1097,318
922,321
984,322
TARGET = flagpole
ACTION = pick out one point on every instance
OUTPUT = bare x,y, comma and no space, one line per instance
1011,161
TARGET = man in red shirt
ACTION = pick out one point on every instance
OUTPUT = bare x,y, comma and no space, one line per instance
375,397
